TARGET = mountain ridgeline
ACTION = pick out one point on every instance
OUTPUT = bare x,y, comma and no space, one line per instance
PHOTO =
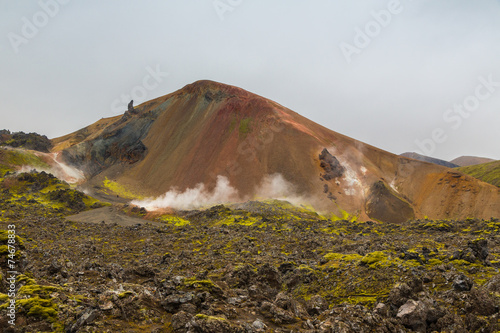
207,130
428,159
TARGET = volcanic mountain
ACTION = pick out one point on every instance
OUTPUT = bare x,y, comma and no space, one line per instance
208,129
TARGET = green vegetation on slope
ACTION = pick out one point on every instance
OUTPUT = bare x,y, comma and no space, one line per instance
245,126
13,159
487,172
113,188
40,194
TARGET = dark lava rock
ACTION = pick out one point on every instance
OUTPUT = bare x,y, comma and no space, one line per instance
210,324
413,314
54,267
145,271
416,284
180,321
243,275
478,324
462,283
286,267
86,318
451,323
494,284
172,302
411,256
73,199
479,247
33,141
286,302
475,250
269,275
316,305
399,295
277,315
481,303
331,166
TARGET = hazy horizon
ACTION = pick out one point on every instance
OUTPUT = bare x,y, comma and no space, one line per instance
403,76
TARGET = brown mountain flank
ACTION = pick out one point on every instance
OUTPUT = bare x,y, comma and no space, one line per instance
207,129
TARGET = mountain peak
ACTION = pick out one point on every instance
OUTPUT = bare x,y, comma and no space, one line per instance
213,89
230,100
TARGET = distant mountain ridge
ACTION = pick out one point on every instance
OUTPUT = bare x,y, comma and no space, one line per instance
471,160
428,159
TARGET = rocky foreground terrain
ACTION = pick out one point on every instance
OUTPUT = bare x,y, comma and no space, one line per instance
252,267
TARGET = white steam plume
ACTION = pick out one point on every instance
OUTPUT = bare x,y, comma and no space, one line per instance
271,187
59,169
192,198
275,186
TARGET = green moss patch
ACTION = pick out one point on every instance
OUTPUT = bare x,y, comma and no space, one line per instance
39,307
245,126
173,220
35,289
18,158
375,259
112,187
40,194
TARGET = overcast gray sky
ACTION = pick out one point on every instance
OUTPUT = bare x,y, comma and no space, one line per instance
400,75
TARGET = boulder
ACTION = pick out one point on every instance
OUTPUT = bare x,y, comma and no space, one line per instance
316,305
87,317
331,166
209,324
481,302
480,248
269,275
462,283
278,315
180,321
399,295
413,314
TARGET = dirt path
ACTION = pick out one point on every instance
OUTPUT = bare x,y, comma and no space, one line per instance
108,215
